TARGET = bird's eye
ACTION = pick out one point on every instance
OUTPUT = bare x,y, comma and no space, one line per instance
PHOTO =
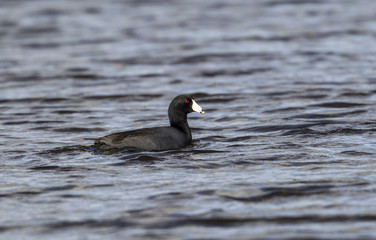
187,101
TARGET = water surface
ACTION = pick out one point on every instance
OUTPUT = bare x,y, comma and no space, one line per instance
285,149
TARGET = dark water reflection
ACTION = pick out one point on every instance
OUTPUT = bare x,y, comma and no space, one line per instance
284,151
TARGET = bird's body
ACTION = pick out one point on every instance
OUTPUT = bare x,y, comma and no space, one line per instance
147,139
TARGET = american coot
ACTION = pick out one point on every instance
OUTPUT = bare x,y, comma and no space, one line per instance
178,135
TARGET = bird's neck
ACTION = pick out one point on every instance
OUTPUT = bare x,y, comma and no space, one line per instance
180,122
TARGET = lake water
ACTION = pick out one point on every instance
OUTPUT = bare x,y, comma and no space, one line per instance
285,150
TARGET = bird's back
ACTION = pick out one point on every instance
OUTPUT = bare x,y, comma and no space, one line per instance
159,138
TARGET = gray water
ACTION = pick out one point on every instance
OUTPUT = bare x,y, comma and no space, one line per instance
285,150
